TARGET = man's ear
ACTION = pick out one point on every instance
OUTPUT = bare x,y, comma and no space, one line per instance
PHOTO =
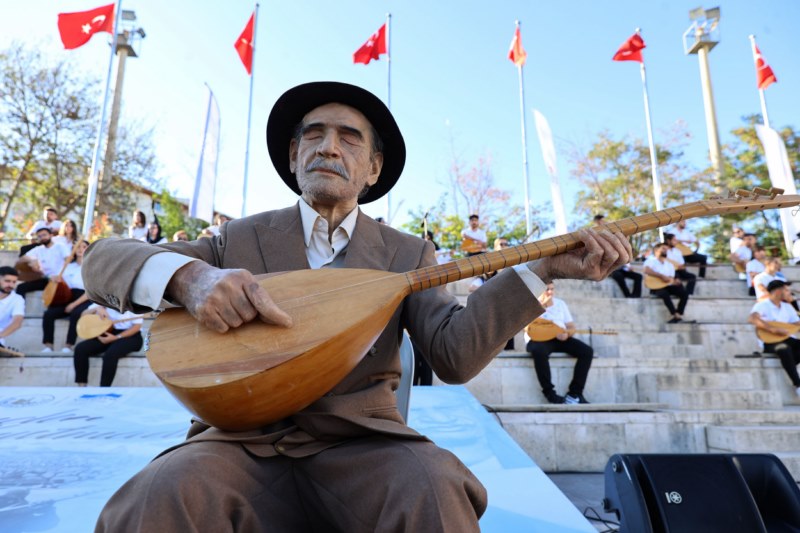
376,164
293,155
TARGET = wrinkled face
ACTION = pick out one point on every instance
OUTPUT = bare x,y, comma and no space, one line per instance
7,283
333,160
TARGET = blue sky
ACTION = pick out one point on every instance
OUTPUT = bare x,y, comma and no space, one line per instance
453,88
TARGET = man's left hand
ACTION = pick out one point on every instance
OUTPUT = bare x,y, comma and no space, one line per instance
602,253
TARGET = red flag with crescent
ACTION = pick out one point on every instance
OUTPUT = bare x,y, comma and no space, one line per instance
373,48
631,50
764,75
516,53
77,28
244,44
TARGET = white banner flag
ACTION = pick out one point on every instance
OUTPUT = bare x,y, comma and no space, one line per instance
549,156
202,204
780,174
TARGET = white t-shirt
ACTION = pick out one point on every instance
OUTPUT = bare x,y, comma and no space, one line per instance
558,313
137,233
754,266
478,234
113,314
769,312
762,279
675,256
11,306
54,227
51,259
685,236
72,276
736,242
665,269
744,253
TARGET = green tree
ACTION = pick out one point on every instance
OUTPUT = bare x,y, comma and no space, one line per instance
48,121
175,217
617,179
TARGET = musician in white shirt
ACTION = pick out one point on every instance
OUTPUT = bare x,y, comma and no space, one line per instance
775,309
744,252
72,309
754,267
557,312
475,233
12,305
46,259
678,260
737,239
123,338
688,239
659,267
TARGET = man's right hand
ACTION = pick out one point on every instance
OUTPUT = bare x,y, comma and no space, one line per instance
223,298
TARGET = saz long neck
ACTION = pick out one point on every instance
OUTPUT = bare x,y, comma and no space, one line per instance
433,276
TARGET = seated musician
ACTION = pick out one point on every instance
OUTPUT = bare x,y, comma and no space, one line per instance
690,246
775,309
661,269
624,272
12,305
72,309
772,271
348,462
678,260
743,254
473,238
45,260
123,338
754,267
556,311
737,238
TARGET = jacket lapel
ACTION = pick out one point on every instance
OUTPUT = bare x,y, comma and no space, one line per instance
367,248
281,241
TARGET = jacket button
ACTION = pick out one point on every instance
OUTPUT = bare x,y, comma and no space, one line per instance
373,350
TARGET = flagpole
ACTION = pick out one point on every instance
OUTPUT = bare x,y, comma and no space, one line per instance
764,114
249,112
389,98
524,150
91,195
653,156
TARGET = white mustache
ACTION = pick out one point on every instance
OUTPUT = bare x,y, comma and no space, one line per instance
319,164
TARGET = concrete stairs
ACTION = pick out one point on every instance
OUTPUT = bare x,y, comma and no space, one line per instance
655,387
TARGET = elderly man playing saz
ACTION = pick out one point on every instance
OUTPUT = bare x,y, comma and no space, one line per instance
347,462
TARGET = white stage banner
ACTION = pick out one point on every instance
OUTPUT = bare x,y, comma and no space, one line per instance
202,204
780,174
549,156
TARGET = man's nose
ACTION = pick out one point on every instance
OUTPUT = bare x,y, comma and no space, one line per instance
329,145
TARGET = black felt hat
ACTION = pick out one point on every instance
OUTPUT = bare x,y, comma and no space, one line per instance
295,103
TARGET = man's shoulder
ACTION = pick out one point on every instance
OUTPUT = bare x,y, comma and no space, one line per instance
14,299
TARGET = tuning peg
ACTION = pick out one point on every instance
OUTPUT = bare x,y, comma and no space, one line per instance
774,191
758,191
742,193
715,197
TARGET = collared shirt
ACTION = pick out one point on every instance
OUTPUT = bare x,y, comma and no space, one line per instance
115,315
684,235
753,268
762,279
675,255
320,249
11,306
665,269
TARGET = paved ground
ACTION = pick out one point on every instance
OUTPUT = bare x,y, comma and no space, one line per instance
586,492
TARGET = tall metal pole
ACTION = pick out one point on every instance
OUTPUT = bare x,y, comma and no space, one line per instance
91,195
113,122
651,142
524,150
714,150
389,97
764,114
249,112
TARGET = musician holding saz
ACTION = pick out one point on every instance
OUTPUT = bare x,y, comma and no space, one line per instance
348,462
775,310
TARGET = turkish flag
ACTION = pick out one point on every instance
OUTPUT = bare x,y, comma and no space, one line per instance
77,28
516,53
373,48
631,50
245,43
764,74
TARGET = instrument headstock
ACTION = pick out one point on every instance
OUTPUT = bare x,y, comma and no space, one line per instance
743,200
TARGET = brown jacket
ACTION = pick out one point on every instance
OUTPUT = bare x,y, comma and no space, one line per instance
457,341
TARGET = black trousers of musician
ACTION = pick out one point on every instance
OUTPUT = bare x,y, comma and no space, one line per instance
55,312
541,362
698,259
30,286
689,278
673,290
621,275
789,353
111,354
